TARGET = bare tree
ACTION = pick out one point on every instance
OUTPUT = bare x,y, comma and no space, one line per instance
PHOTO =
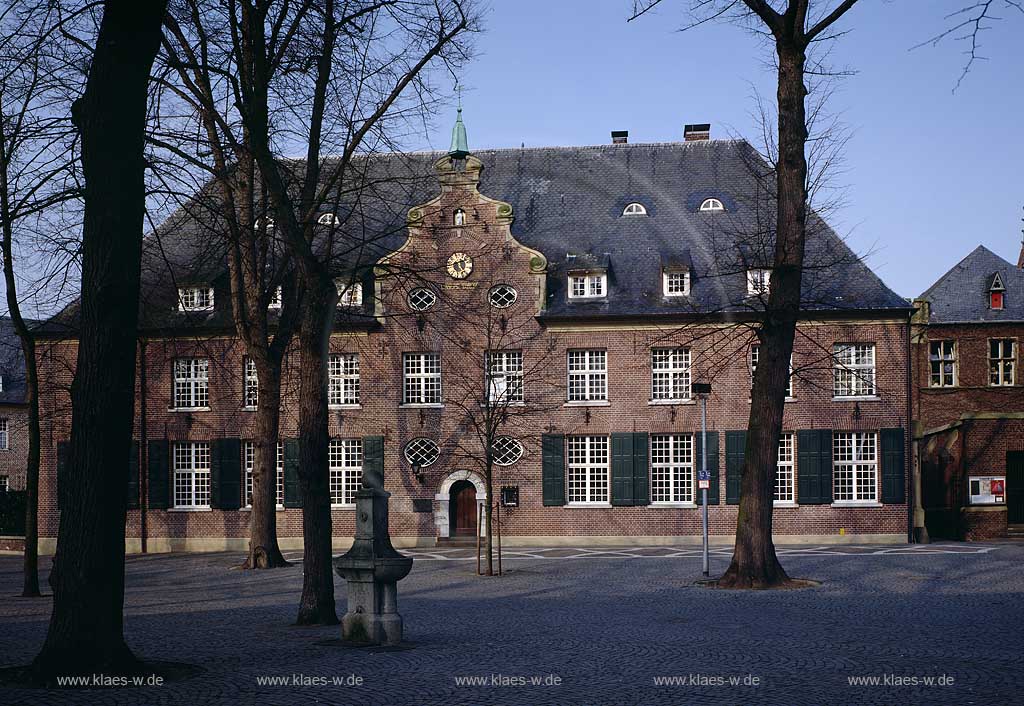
86,631
968,24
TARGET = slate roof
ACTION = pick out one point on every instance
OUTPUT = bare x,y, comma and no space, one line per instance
12,363
568,204
961,295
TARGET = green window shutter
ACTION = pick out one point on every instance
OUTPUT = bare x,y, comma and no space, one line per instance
292,496
893,466
226,474
553,469
712,464
641,491
157,475
735,443
825,454
373,462
133,476
622,469
814,466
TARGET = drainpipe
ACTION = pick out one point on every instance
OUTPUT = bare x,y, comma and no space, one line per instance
917,531
143,447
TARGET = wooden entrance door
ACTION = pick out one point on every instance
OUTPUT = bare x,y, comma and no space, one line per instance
463,509
1015,487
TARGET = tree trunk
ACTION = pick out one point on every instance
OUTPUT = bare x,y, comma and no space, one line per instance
316,607
754,562
264,552
488,522
86,632
30,588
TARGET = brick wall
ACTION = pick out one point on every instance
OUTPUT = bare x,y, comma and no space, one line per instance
15,456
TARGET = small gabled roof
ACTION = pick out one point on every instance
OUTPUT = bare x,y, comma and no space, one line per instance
961,295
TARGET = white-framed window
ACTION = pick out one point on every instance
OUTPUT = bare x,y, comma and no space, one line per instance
275,298
855,466
589,474
251,384
343,379
853,370
672,468
758,282
588,375
5,435
755,354
422,452
5,484
327,219
1,382
195,299
502,296
942,362
422,378
588,286
345,461
675,283
421,299
249,458
268,221
191,383
670,374
192,474
785,469
350,295
504,376
505,450
634,209
711,205
1002,358
459,218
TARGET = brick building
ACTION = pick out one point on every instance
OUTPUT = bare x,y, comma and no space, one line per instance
586,288
968,403
13,410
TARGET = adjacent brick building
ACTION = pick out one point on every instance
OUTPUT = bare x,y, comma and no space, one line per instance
586,289
13,410
968,400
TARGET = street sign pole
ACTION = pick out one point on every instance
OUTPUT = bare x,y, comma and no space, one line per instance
704,475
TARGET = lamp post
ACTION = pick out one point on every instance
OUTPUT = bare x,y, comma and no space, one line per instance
703,391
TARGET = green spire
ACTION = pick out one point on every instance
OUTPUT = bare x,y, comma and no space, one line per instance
460,144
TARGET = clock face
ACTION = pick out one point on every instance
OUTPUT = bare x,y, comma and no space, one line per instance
460,265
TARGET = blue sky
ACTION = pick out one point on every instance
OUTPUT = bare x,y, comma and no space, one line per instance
929,173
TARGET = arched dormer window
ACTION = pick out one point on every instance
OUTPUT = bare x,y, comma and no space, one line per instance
261,222
711,205
327,219
634,209
460,217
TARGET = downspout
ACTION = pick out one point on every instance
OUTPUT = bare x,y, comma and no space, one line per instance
143,447
909,439
918,532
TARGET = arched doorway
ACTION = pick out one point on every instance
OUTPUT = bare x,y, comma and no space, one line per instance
444,516
462,499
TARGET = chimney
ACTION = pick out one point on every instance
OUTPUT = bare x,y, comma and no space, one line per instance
620,137
697,133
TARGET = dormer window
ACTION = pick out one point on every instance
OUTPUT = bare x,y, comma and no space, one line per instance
275,298
350,295
634,209
676,284
261,222
460,217
712,205
758,282
996,293
590,285
995,300
195,299
327,219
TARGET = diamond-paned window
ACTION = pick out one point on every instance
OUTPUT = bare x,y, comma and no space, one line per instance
421,299
421,452
506,450
503,296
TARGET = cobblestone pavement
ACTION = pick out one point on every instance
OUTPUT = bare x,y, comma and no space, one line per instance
605,628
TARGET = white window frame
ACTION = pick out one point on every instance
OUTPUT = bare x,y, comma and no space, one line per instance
591,285
712,204
249,462
588,367
504,376
193,480
421,380
673,459
350,295
343,380
195,299
589,475
859,464
250,384
191,383
940,355
327,219
510,444
755,354
345,461
1002,368
5,435
673,286
852,377
785,470
759,281
634,209
275,298
670,375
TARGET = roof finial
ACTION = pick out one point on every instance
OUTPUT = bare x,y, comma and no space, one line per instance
1020,260
459,149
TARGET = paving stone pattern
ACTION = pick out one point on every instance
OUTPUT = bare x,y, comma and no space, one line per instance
606,624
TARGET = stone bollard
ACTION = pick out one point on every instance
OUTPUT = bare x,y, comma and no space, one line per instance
372,569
